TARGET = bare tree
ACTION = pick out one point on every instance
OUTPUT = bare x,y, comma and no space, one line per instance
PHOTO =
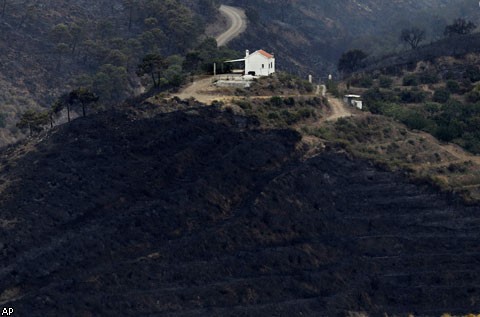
412,36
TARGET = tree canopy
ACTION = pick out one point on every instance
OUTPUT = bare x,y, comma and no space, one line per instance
152,64
33,121
351,61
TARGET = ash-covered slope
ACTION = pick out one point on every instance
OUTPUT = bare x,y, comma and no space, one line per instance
308,36
201,213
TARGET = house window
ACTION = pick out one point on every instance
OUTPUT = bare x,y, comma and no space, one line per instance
263,65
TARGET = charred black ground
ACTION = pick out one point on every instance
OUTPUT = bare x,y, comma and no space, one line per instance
202,213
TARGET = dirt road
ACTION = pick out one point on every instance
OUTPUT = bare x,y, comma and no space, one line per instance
201,89
338,109
237,23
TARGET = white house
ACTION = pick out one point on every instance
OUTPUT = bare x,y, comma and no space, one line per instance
259,63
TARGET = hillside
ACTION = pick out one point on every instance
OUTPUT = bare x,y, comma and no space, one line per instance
272,200
52,47
309,36
202,212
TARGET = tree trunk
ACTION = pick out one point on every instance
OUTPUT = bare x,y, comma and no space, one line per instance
3,7
130,17
153,79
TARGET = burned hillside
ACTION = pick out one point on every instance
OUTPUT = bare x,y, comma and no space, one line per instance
201,212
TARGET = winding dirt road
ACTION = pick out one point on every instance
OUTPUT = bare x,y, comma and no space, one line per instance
237,24
337,109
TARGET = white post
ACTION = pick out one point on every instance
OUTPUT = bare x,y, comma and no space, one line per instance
310,79
214,69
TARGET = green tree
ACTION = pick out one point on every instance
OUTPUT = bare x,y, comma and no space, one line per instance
60,33
173,73
351,61
33,121
130,6
84,97
55,111
62,102
152,64
110,83
441,95
61,49
77,33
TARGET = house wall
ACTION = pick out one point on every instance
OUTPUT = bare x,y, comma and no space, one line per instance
261,65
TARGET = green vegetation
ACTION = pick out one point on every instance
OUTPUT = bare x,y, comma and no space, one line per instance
410,80
279,112
98,47
351,61
451,113
441,95
390,145
33,121
385,82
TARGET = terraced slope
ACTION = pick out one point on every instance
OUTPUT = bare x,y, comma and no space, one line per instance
201,213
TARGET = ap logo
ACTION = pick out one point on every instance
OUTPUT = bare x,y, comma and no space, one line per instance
7,311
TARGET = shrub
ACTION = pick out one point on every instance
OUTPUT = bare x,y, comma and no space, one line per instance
441,95
410,80
3,120
290,117
273,116
244,104
308,86
453,86
428,78
472,74
415,120
306,113
412,96
432,108
374,95
276,101
362,81
385,82
290,101
332,88
473,96
450,75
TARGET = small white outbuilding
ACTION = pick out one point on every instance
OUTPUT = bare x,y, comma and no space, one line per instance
259,63
354,101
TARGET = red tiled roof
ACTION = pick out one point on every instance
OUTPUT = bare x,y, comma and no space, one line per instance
267,55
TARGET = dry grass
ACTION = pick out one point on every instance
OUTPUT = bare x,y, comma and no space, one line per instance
391,144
